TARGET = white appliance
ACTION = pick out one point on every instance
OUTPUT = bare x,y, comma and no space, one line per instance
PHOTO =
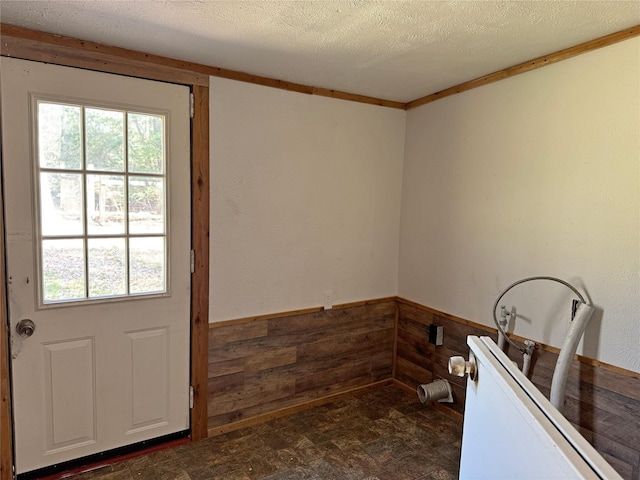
511,431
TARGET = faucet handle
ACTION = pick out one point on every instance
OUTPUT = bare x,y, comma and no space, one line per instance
459,366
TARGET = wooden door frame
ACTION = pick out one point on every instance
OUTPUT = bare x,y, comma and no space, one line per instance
6,428
29,44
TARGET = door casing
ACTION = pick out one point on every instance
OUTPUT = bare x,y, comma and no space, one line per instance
38,46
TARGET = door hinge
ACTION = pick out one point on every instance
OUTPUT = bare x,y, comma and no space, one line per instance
191,395
192,105
193,261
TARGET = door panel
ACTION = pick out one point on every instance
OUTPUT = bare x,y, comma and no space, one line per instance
112,370
150,382
69,372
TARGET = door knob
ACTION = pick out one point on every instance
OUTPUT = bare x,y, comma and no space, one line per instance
25,327
459,366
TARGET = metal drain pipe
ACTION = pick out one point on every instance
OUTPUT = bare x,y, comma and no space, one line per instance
439,390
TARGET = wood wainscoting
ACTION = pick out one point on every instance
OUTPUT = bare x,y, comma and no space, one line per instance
262,365
602,401
418,361
268,366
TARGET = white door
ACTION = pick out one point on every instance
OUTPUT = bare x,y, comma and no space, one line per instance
97,212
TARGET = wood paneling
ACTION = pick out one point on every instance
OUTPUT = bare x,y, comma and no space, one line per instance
422,362
602,402
275,363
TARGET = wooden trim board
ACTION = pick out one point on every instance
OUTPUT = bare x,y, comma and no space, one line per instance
6,433
290,313
30,44
364,302
394,366
268,316
490,330
26,43
258,419
529,65
200,203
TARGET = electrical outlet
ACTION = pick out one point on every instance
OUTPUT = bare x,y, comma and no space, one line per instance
328,300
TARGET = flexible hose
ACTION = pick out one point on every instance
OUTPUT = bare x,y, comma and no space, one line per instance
526,357
528,279
561,372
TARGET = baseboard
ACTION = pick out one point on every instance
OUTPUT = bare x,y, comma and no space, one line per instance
258,419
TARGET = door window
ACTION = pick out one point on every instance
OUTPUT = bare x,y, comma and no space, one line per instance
101,211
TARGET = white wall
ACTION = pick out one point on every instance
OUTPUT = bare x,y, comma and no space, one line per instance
538,174
305,199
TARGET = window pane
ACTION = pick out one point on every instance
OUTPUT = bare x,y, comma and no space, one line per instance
117,194
145,143
62,270
107,267
61,203
59,137
105,204
147,265
104,130
146,205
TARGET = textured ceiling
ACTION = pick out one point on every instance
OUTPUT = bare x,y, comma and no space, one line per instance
395,50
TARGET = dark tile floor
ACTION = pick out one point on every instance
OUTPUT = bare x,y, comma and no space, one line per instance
379,434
